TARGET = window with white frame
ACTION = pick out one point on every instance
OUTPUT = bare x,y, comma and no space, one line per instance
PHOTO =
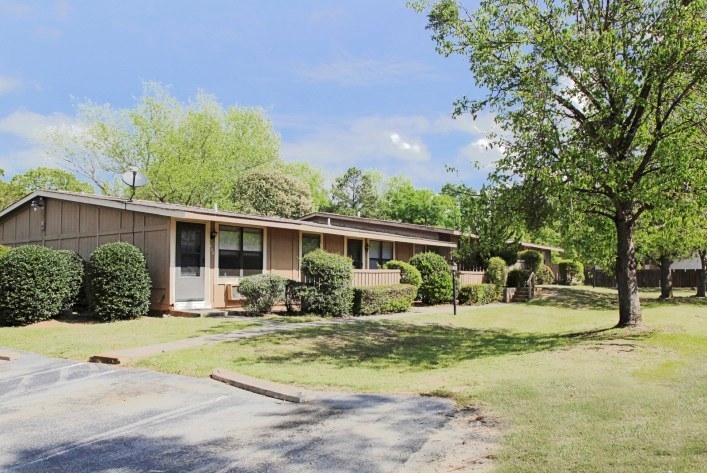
240,251
379,253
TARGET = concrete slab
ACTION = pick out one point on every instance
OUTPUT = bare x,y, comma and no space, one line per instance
260,386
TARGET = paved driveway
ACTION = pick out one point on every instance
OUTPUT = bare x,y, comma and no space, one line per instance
65,416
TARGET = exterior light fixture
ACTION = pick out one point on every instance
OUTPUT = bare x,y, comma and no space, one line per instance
37,204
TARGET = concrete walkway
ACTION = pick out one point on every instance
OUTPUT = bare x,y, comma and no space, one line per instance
116,357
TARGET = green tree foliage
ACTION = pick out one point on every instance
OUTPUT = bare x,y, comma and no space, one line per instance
311,176
50,179
36,179
271,192
403,202
436,278
190,152
664,236
588,94
356,193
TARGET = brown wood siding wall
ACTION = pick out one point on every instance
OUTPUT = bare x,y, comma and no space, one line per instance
471,277
283,252
83,227
334,244
403,251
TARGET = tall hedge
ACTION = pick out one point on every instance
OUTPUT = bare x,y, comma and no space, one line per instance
496,271
436,285
531,260
408,273
544,275
329,279
571,272
118,282
74,274
33,285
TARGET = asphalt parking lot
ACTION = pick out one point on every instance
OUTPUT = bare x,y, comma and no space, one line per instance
66,416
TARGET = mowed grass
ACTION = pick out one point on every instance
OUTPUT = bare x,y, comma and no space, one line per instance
80,340
570,392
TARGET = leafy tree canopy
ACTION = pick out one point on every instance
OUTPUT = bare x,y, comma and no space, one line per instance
272,193
190,152
588,95
357,193
39,178
403,202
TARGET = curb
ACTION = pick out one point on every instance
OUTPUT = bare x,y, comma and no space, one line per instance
259,386
9,355
105,359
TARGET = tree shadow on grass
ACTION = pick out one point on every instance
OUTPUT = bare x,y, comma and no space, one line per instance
382,344
575,298
589,299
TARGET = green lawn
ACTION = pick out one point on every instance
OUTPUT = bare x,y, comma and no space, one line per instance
81,340
571,392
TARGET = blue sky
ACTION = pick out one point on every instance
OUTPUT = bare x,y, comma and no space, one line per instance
345,83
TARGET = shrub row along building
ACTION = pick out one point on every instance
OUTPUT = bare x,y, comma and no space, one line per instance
196,257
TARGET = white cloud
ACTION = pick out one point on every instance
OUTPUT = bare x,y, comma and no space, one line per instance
404,145
20,161
9,84
31,125
416,146
357,72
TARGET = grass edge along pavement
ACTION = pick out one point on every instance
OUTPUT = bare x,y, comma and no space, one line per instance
573,393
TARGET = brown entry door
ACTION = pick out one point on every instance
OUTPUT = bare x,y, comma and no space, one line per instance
190,278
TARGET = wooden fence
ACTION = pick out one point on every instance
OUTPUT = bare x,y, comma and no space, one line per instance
375,277
471,277
645,277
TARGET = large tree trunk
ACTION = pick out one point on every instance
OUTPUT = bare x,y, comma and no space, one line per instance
666,278
629,305
702,281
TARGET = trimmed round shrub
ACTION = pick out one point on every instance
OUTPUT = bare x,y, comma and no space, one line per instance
329,277
436,284
531,260
118,282
517,278
262,292
33,285
408,273
571,273
74,274
496,271
544,275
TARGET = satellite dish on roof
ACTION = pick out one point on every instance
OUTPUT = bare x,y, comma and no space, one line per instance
134,179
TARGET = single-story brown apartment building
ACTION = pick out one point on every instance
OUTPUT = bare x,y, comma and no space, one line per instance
196,257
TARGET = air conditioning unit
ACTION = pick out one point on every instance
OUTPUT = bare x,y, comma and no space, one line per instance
232,293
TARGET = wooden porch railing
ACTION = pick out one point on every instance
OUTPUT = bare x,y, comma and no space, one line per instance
375,277
471,277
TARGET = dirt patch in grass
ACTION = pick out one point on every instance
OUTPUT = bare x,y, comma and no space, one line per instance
467,443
